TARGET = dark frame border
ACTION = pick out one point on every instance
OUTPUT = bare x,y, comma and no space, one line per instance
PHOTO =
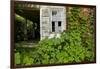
12,33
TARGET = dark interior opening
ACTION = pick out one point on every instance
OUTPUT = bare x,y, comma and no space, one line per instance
27,23
53,26
59,23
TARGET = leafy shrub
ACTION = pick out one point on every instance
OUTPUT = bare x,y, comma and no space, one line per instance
75,45
17,58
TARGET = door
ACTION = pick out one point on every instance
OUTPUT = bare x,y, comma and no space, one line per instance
44,22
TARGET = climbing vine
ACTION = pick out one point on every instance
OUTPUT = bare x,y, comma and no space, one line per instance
75,45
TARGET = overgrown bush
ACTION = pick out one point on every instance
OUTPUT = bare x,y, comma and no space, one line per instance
75,45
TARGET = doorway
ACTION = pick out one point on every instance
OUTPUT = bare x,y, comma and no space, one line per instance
27,23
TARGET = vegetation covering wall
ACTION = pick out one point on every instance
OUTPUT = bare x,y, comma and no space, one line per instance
75,45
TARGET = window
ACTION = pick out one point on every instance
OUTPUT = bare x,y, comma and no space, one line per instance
53,26
59,23
54,13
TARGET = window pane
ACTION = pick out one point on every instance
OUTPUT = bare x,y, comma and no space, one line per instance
59,23
53,26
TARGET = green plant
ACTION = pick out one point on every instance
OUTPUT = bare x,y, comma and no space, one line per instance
75,44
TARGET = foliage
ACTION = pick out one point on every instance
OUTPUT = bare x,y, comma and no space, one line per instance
17,58
24,28
19,28
74,46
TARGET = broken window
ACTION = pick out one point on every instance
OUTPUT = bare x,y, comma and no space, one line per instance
53,26
54,13
59,23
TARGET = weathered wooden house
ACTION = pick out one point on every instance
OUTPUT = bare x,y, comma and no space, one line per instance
52,20
48,20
